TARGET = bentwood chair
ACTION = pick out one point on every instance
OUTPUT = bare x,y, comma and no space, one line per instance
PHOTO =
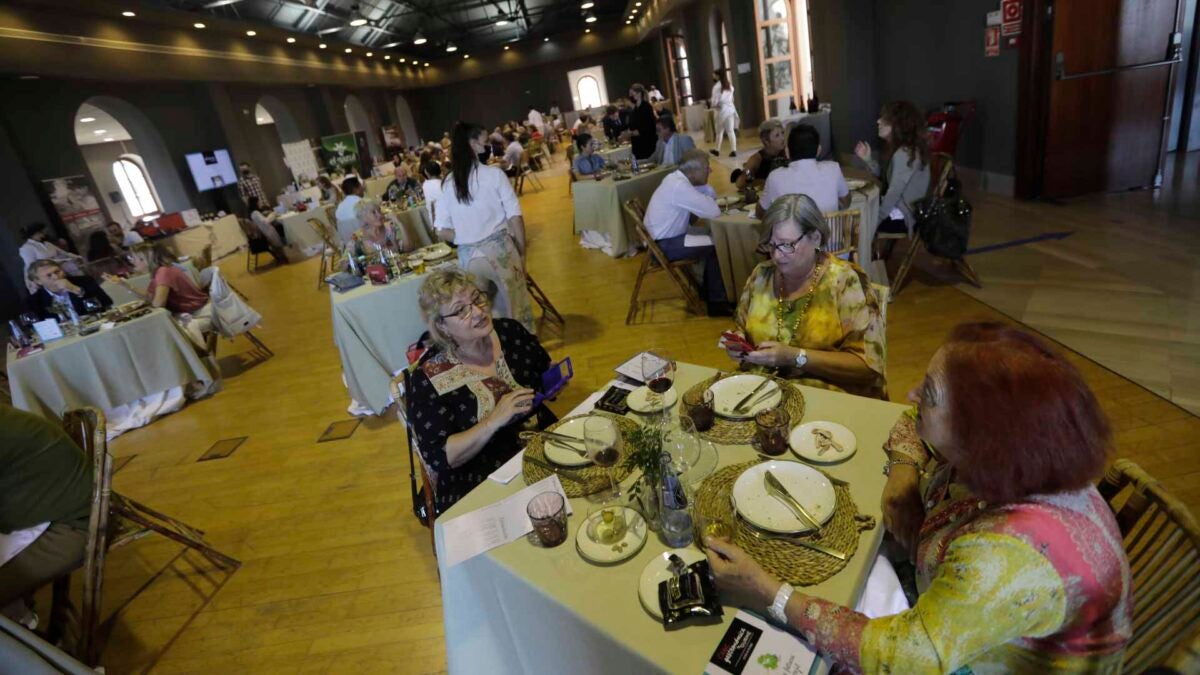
843,233
400,387
656,261
329,251
1162,542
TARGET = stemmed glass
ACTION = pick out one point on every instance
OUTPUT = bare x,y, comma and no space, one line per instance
658,372
602,439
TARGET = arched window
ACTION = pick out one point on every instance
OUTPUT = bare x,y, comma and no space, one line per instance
135,189
588,90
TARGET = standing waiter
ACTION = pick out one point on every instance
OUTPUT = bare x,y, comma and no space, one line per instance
641,124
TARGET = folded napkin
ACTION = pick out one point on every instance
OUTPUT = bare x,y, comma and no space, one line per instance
510,470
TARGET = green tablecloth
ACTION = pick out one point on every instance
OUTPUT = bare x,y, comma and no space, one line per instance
106,369
376,187
520,608
598,206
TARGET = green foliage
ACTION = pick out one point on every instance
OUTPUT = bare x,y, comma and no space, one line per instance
643,447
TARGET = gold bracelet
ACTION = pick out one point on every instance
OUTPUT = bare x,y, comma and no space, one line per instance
887,467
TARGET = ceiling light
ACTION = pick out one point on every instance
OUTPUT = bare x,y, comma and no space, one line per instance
370,53
358,22
637,4
587,5
450,47
251,33
322,45
387,57
628,21
505,47
587,30
545,39
426,64
331,29
589,18
402,59
199,25
466,56
349,51
100,131
391,44
108,140
419,39
502,21
85,120
128,14
291,40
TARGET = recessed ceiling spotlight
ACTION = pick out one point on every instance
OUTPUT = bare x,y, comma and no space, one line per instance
419,39
291,41
85,120
251,33
322,45
100,131
628,21
450,47
199,25
349,51
505,47
587,5
545,39
387,57
637,4
370,53
108,140
587,30
589,18
402,59
426,64
128,13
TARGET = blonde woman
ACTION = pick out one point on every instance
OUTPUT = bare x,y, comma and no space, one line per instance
473,389
812,316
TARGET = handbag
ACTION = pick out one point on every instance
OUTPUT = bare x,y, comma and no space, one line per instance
944,223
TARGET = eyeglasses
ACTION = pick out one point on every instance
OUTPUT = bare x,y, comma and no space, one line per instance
783,247
478,300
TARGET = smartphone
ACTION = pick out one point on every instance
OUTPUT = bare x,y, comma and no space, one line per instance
554,380
737,343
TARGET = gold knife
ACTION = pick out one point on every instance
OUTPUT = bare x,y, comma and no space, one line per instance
777,489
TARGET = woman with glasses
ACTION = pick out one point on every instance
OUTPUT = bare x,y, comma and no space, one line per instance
812,316
473,389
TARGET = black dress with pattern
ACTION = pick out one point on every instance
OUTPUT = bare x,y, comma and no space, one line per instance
445,400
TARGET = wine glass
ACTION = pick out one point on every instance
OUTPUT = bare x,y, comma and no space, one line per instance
602,439
683,445
658,372
91,306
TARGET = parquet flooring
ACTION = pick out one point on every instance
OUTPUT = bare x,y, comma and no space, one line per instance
337,575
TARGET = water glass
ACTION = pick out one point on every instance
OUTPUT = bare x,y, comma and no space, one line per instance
716,526
700,409
548,513
771,431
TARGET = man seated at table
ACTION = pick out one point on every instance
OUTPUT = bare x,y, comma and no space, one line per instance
37,247
347,222
511,163
682,197
804,175
671,146
587,162
120,238
613,124
402,187
54,286
45,504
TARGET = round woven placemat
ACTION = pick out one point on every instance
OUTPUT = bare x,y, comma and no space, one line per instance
594,478
739,432
792,563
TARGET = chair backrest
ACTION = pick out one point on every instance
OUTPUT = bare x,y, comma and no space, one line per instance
1162,542
400,396
87,428
941,168
843,233
637,212
323,231
331,212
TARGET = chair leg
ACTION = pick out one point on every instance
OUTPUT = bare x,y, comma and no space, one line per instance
914,245
321,268
637,287
60,609
170,528
548,308
964,268
687,285
258,344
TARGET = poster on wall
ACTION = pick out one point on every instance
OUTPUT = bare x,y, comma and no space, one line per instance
76,204
991,41
393,139
302,161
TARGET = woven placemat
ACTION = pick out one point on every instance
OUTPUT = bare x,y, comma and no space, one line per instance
739,432
594,478
794,564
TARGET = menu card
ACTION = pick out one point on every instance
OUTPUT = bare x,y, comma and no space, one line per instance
633,367
753,646
494,525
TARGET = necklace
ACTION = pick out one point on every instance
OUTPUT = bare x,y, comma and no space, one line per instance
815,277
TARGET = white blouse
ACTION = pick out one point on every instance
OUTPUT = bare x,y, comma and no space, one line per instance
722,98
493,203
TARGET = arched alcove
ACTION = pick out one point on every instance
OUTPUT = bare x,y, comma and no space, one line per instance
407,126
359,120
285,122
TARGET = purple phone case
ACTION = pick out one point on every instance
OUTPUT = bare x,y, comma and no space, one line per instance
553,381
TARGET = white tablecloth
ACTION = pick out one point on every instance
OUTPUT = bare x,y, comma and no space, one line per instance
229,236
376,187
693,116
300,234
523,609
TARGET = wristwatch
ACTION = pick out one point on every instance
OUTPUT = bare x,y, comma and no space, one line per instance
777,609
801,359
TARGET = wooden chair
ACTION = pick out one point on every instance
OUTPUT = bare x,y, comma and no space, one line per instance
1162,542
256,245
1186,657
656,261
329,252
525,172
843,233
400,387
539,296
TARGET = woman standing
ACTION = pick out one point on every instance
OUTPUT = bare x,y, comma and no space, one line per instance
479,212
722,102
905,166
641,124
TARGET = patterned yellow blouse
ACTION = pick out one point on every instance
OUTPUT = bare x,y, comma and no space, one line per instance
842,315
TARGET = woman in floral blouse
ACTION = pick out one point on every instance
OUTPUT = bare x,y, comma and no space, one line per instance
812,316
1020,563
472,391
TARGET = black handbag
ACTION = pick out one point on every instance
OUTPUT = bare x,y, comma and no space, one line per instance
944,223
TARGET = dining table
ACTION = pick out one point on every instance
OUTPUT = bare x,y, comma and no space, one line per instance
140,282
617,154
376,187
107,369
520,607
300,233
600,219
223,234
693,116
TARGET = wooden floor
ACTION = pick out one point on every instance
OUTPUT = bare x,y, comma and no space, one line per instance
337,575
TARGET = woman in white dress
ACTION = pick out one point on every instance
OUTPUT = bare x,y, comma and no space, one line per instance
722,102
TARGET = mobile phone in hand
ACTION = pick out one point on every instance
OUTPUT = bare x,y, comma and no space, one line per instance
737,343
554,380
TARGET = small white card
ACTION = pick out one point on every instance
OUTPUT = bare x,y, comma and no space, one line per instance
494,525
48,330
696,240
752,646
510,470
633,367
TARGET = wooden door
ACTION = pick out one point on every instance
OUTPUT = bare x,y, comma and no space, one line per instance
1112,64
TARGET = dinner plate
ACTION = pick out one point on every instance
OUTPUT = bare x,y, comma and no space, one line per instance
436,252
562,456
810,487
856,184
605,554
823,442
729,391
657,571
643,400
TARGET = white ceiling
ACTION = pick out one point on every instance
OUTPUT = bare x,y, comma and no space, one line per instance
85,132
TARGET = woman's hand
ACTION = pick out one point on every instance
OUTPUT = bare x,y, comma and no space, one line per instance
773,355
863,151
512,406
740,579
903,512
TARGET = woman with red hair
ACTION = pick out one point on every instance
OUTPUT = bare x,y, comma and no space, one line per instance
1019,560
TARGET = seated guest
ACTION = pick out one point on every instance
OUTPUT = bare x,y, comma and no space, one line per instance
347,222
432,187
1019,560
45,500
511,162
402,186
54,286
330,194
682,197
497,141
813,316
671,146
905,171
445,141
120,237
172,287
472,391
377,232
804,175
104,258
773,155
587,162
267,223
613,124
36,247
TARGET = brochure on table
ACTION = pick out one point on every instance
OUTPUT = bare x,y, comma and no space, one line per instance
751,646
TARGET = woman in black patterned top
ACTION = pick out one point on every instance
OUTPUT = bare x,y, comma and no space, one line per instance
472,392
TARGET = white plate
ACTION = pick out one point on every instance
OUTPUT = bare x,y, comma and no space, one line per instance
810,487
634,539
804,442
657,571
856,184
436,252
642,400
562,456
729,391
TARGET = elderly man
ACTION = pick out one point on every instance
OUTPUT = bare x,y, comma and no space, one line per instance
45,502
402,187
347,222
671,146
37,248
683,197
54,286
804,175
